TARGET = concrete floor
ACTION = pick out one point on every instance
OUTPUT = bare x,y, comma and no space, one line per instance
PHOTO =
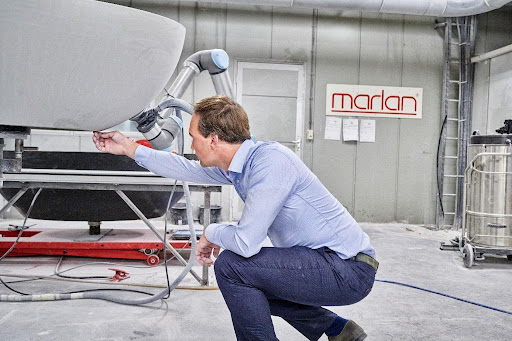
407,253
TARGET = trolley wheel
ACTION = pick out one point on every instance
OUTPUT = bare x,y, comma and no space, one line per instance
509,257
468,255
153,260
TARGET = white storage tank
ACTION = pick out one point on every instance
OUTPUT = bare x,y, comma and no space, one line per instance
488,216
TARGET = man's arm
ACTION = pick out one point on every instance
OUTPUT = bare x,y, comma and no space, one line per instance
273,178
178,167
162,163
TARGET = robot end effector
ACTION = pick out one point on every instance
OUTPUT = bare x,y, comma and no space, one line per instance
159,132
161,129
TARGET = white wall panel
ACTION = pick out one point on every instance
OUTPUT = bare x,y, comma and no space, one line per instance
291,34
422,67
210,26
481,97
292,41
376,163
494,31
248,33
500,91
338,53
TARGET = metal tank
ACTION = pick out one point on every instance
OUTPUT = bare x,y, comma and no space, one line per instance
487,226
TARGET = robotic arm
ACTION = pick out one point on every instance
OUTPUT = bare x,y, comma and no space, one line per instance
215,61
158,124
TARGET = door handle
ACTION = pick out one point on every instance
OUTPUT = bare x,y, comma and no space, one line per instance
290,142
296,143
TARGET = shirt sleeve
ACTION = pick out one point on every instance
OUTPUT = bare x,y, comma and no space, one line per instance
273,177
177,167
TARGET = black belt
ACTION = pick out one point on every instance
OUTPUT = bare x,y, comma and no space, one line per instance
362,257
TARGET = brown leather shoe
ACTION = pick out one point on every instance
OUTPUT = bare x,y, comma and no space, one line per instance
351,332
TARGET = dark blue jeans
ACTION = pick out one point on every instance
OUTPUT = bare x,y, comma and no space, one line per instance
293,283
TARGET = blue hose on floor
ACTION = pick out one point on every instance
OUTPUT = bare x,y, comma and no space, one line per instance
445,295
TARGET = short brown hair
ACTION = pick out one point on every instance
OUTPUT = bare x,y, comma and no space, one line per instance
224,117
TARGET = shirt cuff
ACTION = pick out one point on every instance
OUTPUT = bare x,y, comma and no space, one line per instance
211,235
142,154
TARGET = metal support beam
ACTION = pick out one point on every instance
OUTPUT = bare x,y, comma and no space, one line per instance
155,231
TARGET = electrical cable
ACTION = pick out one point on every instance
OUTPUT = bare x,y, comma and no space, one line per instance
18,238
23,226
58,264
59,273
56,273
14,290
143,285
109,289
439,188
165,235
445,295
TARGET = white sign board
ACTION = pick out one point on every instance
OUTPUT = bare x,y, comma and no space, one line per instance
373,101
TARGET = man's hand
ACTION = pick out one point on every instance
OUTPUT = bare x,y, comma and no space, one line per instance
204,251
115,143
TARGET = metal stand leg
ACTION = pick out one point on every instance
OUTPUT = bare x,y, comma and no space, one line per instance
206,221
13,200
148,223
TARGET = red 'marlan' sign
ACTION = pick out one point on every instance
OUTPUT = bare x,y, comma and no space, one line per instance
374,101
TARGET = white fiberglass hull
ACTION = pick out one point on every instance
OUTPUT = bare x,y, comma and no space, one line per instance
81,65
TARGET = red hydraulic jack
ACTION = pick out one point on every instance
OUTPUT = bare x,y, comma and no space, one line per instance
114,243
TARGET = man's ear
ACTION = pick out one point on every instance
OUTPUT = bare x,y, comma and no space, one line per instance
214,140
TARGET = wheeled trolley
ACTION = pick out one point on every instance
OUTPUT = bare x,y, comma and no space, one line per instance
487,219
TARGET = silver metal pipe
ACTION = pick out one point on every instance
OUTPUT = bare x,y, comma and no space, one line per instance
492,54
490,215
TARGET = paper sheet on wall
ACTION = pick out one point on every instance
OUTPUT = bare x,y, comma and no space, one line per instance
367,131
332,128
350,129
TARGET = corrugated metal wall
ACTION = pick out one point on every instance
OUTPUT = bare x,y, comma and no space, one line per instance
389,180
392,179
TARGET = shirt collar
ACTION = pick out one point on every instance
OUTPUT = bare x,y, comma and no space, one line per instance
237,164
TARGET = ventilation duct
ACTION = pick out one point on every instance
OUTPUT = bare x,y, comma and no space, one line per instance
436,8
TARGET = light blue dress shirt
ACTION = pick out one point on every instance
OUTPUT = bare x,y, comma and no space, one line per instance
283,200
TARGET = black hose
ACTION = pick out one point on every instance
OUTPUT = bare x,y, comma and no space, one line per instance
445,295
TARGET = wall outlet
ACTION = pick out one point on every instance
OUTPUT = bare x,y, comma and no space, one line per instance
310,134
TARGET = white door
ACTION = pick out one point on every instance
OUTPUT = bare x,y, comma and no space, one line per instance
273,95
